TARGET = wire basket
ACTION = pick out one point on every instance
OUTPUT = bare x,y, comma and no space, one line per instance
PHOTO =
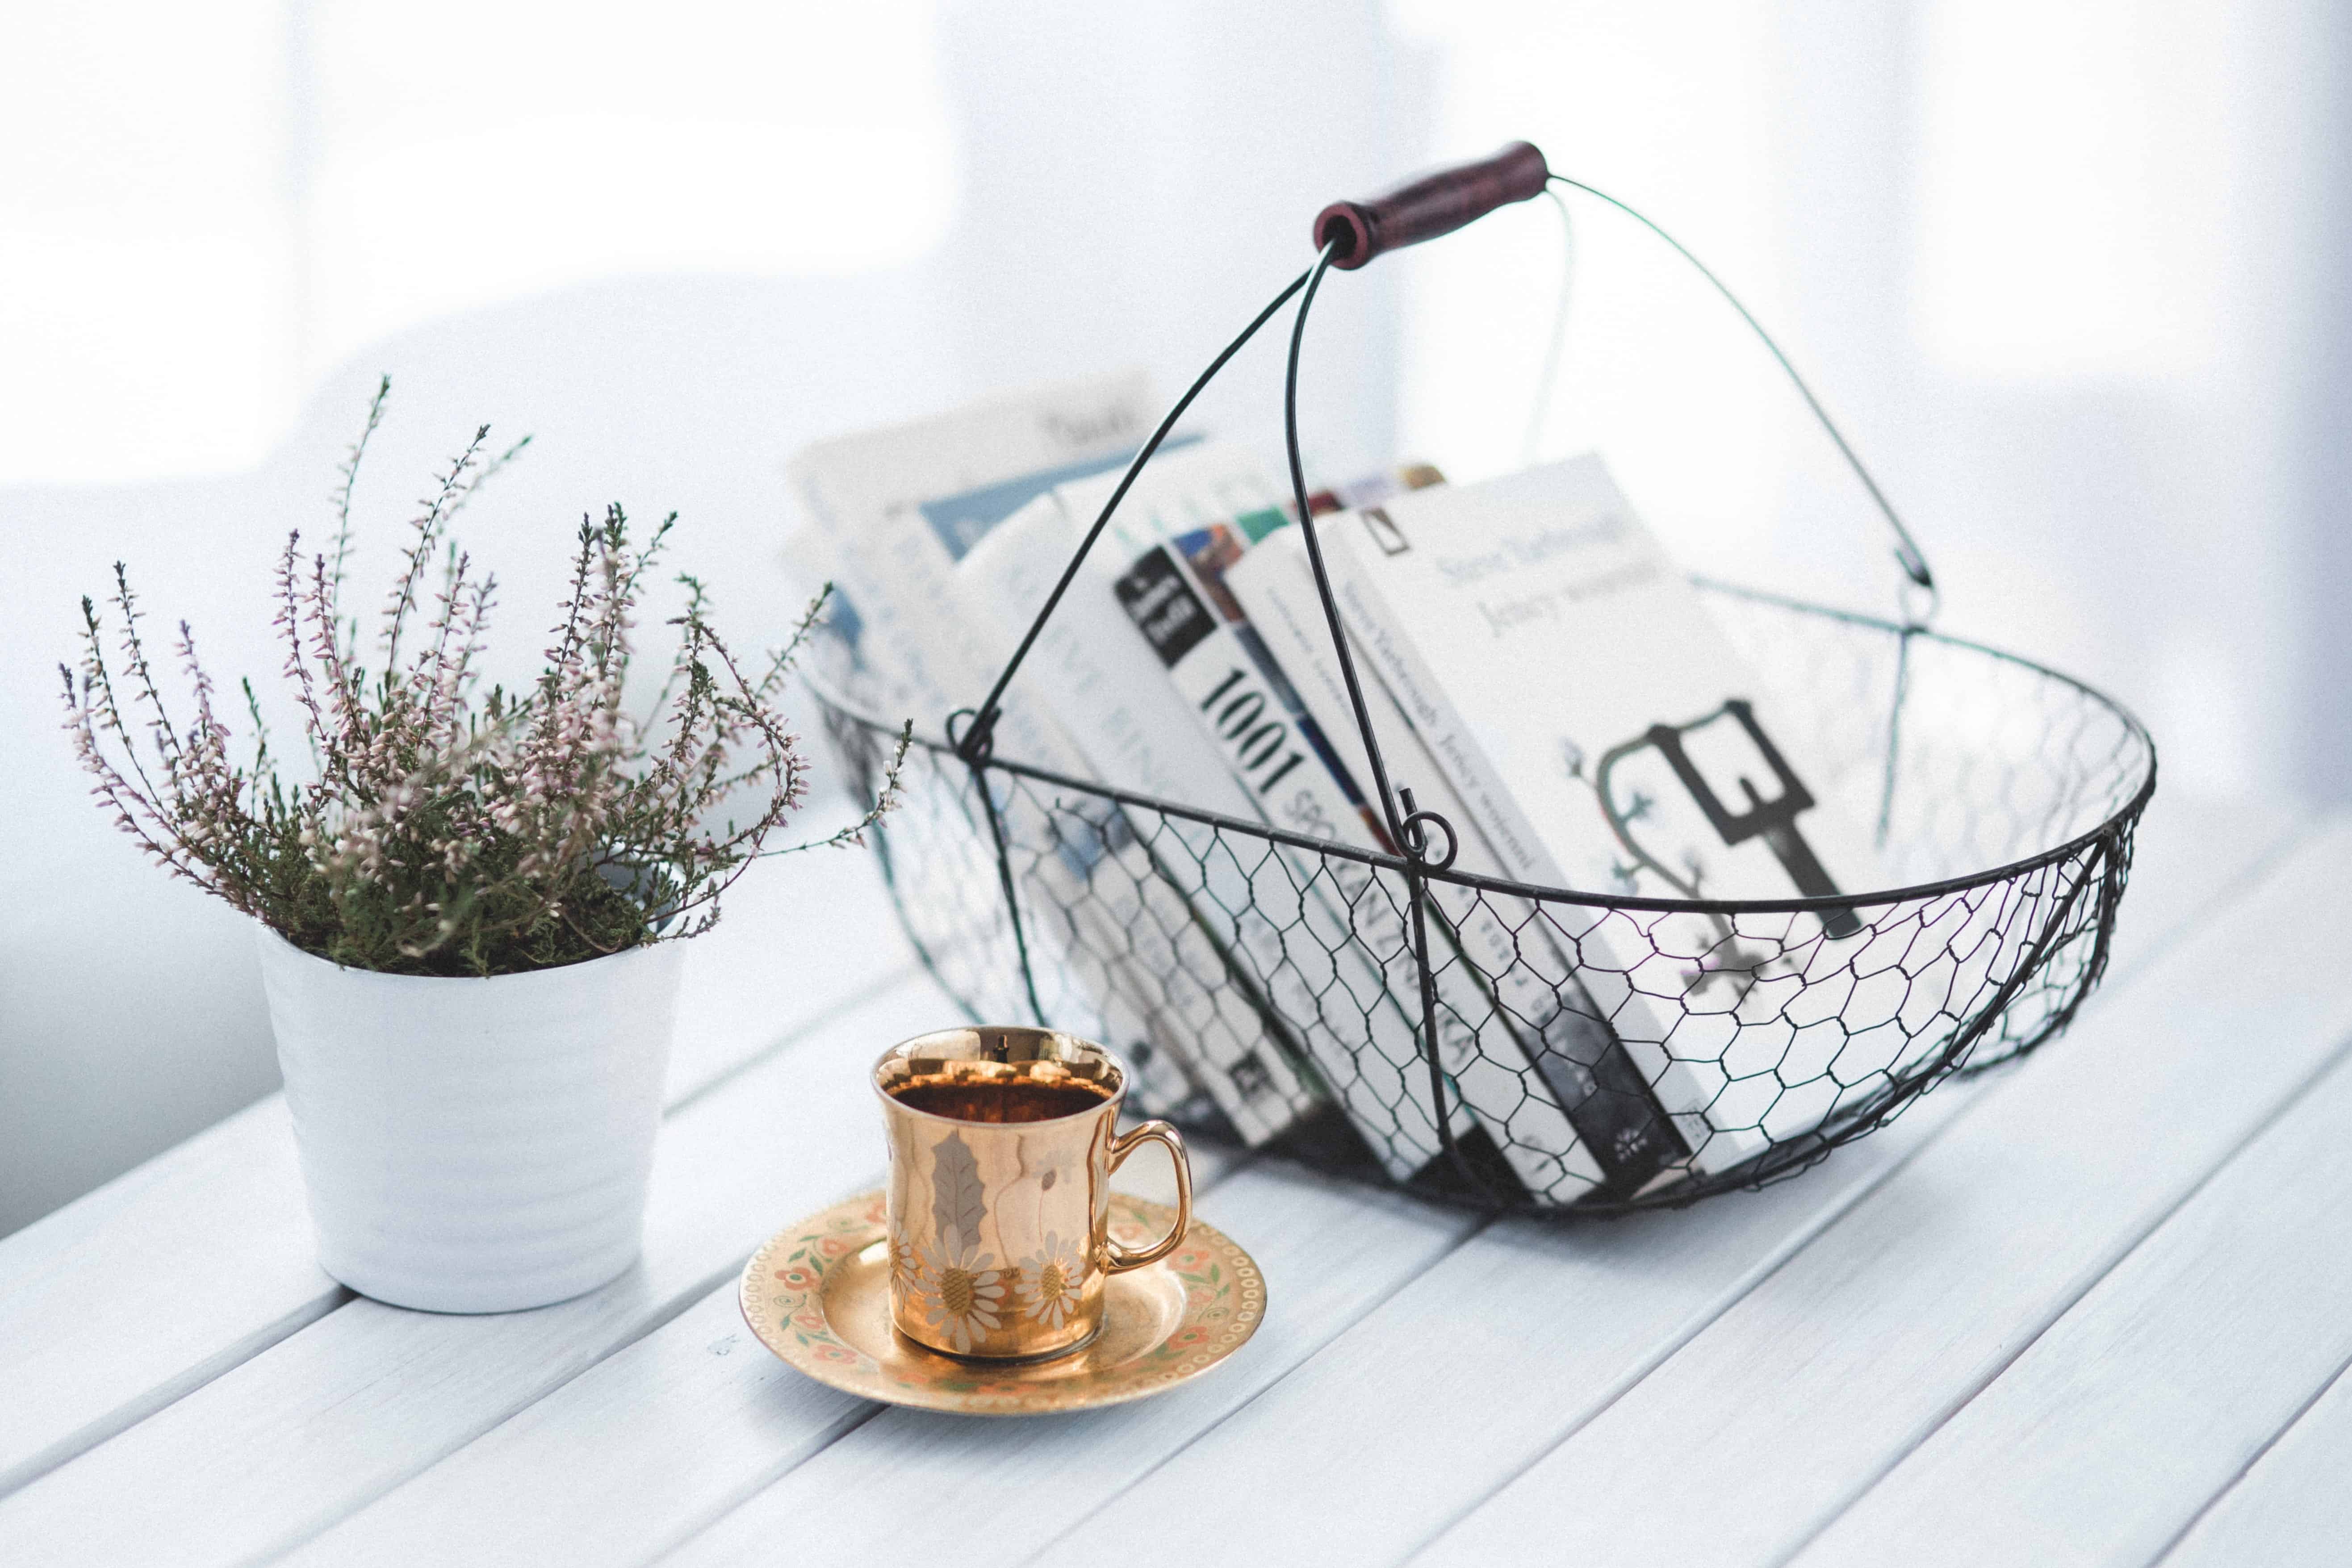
2005,795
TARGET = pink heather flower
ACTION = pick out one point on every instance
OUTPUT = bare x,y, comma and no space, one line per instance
452,831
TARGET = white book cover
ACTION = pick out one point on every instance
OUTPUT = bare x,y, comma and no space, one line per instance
1605,737
907,501
1000,584
1579,1069
892,507
1277,770
1136,1024
1524,1120
1109,687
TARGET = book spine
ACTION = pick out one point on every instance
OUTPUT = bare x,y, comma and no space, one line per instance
1173,942
1535,1138
1166,1078
1375,628
1359,933
1584,1100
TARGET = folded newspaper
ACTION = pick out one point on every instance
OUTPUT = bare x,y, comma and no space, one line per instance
1533,665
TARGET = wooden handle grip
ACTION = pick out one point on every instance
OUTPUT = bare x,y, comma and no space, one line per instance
1437,202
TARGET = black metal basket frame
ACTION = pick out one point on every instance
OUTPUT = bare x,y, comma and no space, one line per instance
2082,911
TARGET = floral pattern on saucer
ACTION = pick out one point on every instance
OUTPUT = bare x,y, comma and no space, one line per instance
783,1300
794,1267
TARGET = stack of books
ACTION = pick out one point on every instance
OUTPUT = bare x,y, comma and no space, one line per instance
1536,671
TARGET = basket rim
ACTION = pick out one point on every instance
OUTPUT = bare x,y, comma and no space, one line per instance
2107,829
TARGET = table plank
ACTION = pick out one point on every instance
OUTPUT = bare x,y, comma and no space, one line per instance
916,1482
2292,1508
123,1222
2104,1439
800,939
640,1451
83,1352
327,1419
2185,869
1470,1370
1771,1421
2190,855
1525,1333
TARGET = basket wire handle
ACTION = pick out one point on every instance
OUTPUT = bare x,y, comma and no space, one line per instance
1556,343
1347,235
1921,597
1409,830
978,733
1907,554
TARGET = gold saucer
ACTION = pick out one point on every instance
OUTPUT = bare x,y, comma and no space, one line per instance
818,1294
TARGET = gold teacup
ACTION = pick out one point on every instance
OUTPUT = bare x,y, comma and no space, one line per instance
1002,1141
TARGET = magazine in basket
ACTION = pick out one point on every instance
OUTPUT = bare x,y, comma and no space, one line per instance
1563,1035
1287,928
1533,665
1513,1053
1601,734
893,509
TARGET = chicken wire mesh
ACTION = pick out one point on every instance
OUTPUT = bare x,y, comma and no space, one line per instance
1593,1054
1538,1049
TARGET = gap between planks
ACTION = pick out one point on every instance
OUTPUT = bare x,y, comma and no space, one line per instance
2121,971
331,1296
285,1443
222,1218
2191,1355
1534,1330
2288,1507
1775,1416
635,1453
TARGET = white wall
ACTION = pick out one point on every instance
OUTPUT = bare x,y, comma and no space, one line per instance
2064,271
1104,194
2068,270
129,1009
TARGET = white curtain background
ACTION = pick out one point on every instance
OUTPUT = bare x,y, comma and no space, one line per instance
2064,270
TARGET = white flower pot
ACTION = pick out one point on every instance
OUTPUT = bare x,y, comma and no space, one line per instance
475,1145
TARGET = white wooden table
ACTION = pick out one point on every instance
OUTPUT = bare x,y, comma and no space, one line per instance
2092,1308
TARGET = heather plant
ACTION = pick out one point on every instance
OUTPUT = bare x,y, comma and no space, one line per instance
440,828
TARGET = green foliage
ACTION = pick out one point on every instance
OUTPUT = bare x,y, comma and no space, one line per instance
442,829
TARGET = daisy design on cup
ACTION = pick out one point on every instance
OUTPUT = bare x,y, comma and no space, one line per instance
1049,1281
905,1265
962,1294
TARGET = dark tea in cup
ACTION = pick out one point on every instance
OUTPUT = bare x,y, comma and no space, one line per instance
998,1101
1002,1141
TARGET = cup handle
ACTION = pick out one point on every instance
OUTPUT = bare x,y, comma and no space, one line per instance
1122,1259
